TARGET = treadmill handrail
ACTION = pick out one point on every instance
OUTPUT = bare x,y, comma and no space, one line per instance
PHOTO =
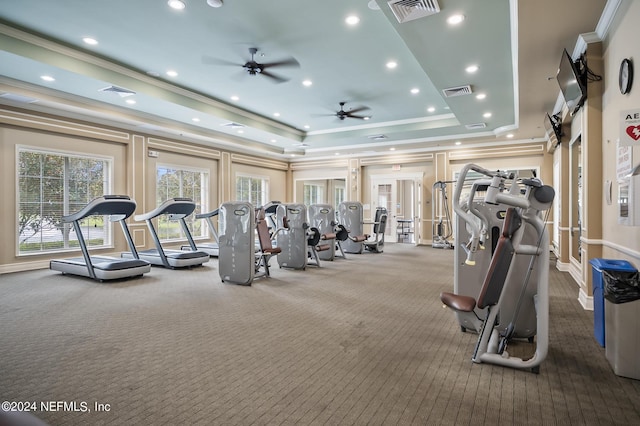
118,207
176,207
208,214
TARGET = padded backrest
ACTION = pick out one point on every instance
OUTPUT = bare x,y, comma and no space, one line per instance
500,262
263,234
380,211
382,227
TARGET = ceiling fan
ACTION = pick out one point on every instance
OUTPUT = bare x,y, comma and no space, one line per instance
352,113
252,67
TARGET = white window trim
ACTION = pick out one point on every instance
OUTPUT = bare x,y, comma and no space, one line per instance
63,152
204,203
265,180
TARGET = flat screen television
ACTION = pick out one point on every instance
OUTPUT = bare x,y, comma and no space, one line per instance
572,83
553,127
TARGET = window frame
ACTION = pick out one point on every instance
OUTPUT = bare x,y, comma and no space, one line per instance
265,187
319,189
203,203
108,184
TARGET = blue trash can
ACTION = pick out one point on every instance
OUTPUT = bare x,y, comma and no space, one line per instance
597,266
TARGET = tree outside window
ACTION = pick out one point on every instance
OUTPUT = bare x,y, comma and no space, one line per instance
177,182
252,189
52,185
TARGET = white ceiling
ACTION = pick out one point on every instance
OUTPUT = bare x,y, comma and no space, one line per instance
515,44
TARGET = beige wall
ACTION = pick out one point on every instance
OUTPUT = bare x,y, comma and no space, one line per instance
10,139
277,179
619,241
134,172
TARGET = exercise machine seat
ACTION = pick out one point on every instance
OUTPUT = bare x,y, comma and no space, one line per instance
496,275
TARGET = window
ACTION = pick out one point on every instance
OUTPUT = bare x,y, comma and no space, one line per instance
252,189
338,193
52,185
180,182
313,194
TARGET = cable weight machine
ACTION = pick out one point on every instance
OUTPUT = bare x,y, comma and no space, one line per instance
441,223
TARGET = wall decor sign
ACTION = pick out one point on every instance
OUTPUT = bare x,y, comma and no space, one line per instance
630,127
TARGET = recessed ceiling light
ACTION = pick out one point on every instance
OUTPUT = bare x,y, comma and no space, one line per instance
176,4
392,149
510,135
481,96
293,155
486,115
240,131
90,40
352,20
235,98
455,19
337,153
471,69
196,119
415,90
431,109
373,5
273,141
392,64
131,101
172,73
307,83
276,114
306,126
458,143
214,3
47,78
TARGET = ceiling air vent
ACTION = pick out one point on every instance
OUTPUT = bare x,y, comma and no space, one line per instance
120,91
475,126
408,10
233,125
457,91
377,137
18,98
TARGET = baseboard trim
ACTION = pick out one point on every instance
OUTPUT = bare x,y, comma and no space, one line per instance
10,268
562,266
585,300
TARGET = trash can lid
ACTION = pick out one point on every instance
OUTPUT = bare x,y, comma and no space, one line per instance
612,265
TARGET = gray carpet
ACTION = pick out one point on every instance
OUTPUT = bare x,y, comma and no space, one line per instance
358,341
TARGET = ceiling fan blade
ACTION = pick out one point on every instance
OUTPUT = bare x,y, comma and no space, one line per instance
274,77
323,115
210,60
290,62
359,117
356,110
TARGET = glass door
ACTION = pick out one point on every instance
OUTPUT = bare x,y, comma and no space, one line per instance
384,194
575,249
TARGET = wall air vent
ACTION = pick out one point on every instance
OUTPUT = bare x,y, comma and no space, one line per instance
475,126
457,91
120,91
408,10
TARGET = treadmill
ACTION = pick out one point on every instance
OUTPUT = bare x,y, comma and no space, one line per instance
117,208
176,209
213,248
